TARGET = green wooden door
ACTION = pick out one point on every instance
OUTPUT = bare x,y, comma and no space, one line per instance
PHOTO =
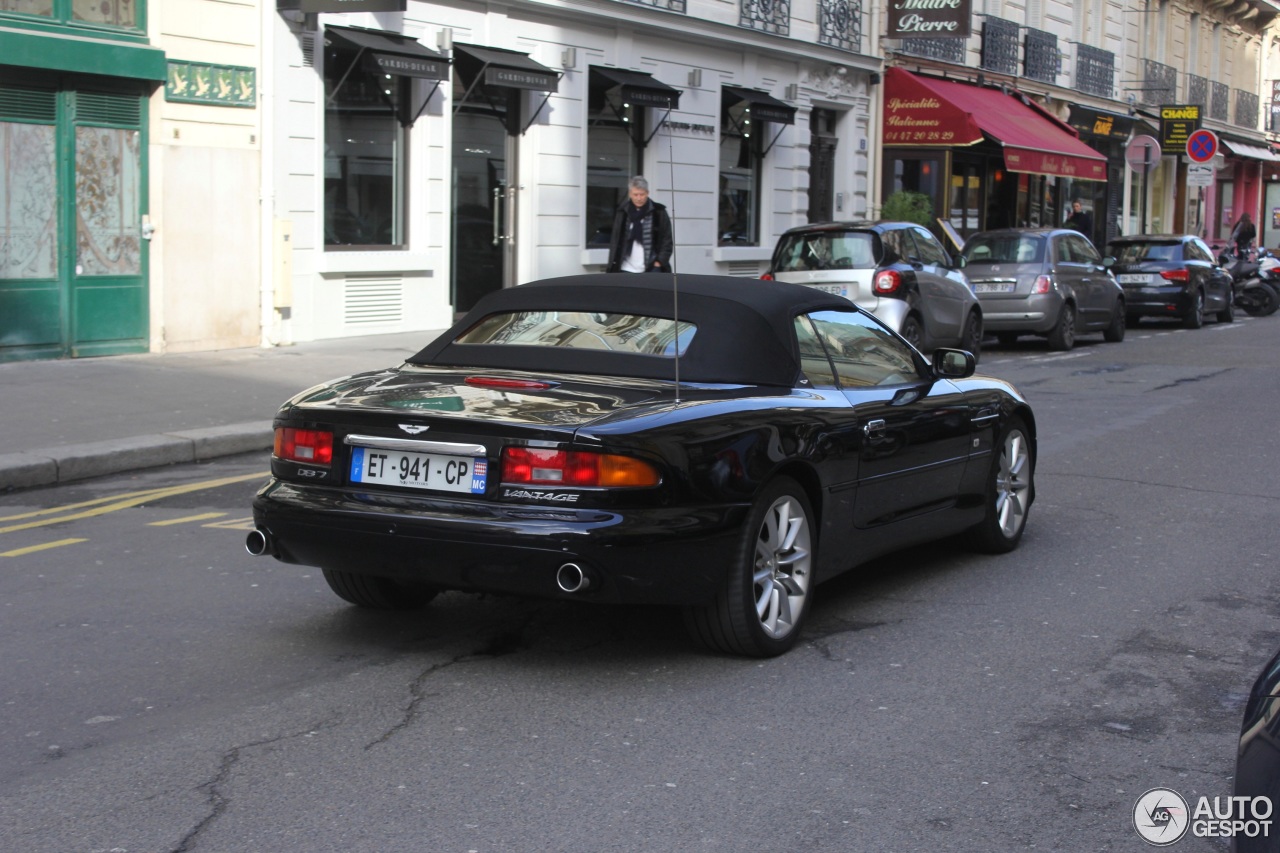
73,264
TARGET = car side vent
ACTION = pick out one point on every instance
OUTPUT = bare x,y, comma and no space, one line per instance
370,300
746,269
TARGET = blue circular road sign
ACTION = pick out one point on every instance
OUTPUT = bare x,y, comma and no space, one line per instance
1202,145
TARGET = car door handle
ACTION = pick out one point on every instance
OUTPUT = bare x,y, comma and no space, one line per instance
875,426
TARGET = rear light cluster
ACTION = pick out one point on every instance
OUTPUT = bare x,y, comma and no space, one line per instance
1043,284
887,282
767,277
535,466
1176,275
304,445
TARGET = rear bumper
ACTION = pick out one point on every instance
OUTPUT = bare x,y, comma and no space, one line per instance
649,556
1035,314
1156,301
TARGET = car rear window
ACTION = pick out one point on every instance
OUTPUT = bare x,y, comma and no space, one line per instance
626,333
1134,253
1005,249
826,250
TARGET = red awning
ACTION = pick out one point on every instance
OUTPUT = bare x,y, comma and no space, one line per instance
927,111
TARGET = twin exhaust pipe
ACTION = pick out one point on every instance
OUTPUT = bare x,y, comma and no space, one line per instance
573,578
258,542
570,577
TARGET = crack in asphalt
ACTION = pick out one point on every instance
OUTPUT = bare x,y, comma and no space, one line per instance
501,644
217,802
1189,379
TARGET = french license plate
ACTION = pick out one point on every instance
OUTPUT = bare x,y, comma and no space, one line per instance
1133,278
435,471
994,287
837,289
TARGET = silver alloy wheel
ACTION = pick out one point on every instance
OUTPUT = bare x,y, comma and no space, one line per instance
780,579
1012,484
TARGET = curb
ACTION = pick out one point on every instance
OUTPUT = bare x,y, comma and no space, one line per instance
52,466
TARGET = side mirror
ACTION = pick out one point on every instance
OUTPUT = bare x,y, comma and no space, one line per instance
961,262
953,364
1108,262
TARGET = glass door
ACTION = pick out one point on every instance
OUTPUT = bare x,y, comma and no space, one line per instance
483,205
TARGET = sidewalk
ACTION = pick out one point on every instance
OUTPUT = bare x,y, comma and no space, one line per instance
70,419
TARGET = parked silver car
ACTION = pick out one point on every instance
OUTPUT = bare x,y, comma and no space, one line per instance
1044,281
896,270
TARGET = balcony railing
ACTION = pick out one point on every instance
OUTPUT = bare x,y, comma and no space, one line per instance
1159,83
1198,91
1246,109
1042,60
944,49
999,45
767,16
669,5
840,24
1219,101
1095,71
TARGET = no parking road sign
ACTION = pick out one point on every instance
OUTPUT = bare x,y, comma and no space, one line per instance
1202,145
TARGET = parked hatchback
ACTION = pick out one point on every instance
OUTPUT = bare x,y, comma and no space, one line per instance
896,270
1044,281
1171,275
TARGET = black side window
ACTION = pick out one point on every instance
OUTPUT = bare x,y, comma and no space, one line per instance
863,351
813,358
930,251
896,245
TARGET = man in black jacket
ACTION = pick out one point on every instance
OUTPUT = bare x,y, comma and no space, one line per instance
641,240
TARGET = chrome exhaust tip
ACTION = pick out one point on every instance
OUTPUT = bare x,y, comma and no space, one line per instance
572,578
258,542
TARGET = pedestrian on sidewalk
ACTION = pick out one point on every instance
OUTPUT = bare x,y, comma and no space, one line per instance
1242,235
1080,219
641,240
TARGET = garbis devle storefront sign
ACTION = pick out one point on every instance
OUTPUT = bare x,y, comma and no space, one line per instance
929,18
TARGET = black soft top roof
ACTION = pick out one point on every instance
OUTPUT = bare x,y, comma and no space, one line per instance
744,325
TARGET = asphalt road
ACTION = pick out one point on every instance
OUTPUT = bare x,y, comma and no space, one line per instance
164,691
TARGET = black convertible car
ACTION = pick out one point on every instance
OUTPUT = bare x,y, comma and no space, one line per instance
723,448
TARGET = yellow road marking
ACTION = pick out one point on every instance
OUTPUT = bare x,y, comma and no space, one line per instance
201,517
102,506
245,523
18,552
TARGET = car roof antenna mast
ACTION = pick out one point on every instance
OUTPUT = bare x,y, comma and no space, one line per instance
675,280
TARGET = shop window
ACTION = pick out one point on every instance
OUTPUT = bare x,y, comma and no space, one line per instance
741,165
613,156
124,14
365,158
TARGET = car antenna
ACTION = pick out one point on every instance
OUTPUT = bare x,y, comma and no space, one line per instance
675,280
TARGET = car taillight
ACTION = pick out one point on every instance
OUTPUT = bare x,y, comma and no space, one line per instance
1043,284
767,277
887,282
536,466
304,445
1176,275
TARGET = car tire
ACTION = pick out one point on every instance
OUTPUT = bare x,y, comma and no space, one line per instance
1009,492
1114,333
1194,318
1007,339
377,593
1063,335
971,339
762,604
913,331
1227,314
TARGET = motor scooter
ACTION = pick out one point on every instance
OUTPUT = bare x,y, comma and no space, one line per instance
1252,292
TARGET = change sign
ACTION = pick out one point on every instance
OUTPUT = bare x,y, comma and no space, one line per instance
1177,123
